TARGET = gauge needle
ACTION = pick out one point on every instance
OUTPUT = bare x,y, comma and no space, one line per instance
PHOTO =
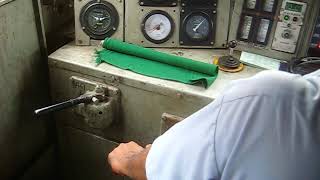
96,18
157,27
101,19
196,28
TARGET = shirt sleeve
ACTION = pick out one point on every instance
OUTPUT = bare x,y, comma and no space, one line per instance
178,155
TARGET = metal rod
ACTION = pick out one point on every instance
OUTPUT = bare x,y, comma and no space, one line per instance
64,105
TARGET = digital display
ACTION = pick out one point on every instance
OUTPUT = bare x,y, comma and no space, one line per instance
294,7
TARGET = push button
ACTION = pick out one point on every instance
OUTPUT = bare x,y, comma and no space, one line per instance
286,17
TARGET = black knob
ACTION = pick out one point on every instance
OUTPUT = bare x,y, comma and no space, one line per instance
233,44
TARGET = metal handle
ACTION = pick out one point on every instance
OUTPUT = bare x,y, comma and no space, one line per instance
64,105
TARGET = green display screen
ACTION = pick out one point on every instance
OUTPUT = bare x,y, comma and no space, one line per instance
294,7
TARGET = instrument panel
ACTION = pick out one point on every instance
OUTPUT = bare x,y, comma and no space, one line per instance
188,24
272,28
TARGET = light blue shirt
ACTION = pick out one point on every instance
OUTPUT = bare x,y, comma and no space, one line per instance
263,128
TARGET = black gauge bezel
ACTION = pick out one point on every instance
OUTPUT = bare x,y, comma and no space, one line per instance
185,14
153,3
189,16
114,19
143,30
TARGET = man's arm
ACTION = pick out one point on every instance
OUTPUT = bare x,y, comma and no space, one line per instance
129,160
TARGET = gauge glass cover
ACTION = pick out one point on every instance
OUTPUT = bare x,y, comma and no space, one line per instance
269,5
158,27
197,27
99,20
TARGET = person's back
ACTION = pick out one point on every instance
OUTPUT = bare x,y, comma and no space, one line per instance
262,128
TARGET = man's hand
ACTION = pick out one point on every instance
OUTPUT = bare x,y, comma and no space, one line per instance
129,160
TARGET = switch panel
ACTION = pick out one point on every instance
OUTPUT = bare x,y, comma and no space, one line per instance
291,19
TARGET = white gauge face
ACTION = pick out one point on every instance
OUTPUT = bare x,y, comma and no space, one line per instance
263,30
158,27
268,5
251,4
246,27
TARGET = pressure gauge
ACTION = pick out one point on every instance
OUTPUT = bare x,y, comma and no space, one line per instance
251,4
197,26
245,28
99,19
157,26
263,30
269,6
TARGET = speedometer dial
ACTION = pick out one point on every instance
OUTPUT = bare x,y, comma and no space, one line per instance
197,27
99,19
158,27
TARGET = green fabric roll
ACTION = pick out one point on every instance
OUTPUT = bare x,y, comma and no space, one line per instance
156,64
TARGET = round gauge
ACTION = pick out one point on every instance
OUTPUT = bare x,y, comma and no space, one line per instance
157,27
99,19
197,26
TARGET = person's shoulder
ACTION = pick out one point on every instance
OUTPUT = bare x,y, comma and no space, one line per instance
268,83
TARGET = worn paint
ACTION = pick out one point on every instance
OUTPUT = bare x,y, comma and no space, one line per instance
23,87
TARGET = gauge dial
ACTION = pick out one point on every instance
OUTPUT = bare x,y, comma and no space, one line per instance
99,19
157,27
197,27
246,27
251,4
269,5
263,30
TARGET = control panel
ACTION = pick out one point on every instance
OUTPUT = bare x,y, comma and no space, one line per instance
291,19
273,28
177,24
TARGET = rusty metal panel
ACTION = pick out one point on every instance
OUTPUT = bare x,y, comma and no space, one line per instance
23,86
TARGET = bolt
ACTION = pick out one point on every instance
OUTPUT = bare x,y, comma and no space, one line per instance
113,79
114,28
141,3
214,12
181,42
182,10
174,4
83,27
211,43
95,100
183,4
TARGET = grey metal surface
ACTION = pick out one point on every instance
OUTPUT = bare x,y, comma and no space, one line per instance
23,84
83,156
143,102
302,44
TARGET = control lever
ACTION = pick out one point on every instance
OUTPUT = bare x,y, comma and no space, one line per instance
230,63
86,98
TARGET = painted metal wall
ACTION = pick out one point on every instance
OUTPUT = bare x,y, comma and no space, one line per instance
23,87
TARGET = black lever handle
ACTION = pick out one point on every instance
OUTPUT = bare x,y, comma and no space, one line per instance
64,105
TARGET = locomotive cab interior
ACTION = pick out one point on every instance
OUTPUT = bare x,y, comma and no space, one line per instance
62,111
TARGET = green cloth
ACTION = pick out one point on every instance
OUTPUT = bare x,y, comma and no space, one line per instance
156,64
